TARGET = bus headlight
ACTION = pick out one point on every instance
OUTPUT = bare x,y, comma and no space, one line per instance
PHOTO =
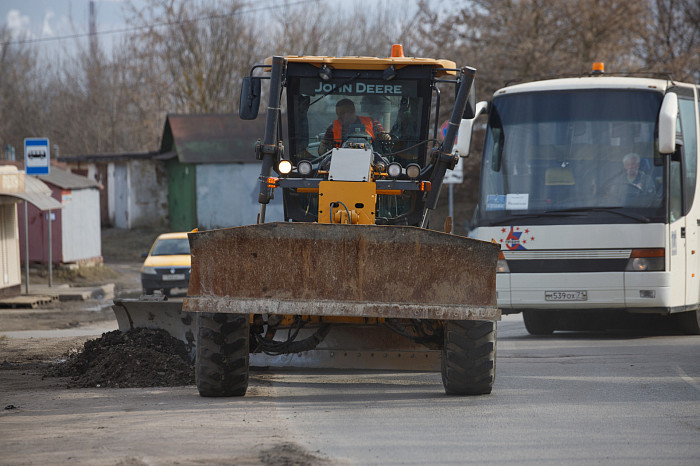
148,270
646,260
502,265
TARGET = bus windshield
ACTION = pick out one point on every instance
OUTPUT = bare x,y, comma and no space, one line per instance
587,155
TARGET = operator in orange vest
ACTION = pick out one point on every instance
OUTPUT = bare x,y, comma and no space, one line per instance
337,132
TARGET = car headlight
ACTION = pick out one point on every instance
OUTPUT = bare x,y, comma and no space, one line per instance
148,270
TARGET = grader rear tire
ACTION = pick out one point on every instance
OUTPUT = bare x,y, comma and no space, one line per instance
469,357
221,360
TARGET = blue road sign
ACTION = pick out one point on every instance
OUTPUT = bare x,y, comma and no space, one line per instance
36,156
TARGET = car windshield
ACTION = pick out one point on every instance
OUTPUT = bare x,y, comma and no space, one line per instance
171,247
585,154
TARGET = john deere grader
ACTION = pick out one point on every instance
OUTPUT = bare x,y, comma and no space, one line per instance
353,277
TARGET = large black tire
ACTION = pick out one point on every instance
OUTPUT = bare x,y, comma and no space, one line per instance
538,322
689,322
469,357
221,360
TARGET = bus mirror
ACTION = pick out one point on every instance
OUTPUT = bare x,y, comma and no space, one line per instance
250,98
464,135
667,124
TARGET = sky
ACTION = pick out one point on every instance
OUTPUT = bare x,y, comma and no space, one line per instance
47,19
38,20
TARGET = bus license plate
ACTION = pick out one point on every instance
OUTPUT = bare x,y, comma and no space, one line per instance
173,277
566,295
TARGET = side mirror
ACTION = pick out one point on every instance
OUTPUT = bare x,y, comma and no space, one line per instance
250,98
667,123
464,135
144,255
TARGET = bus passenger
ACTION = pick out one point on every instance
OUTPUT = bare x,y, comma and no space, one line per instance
633,186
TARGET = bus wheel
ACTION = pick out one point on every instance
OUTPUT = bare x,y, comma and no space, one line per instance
690,322
538,322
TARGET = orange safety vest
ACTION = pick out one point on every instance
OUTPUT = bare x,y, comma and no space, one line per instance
338,128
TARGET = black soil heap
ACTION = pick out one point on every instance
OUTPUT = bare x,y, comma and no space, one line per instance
138,358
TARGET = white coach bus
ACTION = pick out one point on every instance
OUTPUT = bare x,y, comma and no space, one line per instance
590,186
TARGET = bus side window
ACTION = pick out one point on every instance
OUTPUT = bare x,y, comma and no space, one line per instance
686,109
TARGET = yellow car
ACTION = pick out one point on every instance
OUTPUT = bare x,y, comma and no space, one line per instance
167,265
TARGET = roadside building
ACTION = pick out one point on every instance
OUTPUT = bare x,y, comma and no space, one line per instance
212,171
75,228
204,175
134,190
17,190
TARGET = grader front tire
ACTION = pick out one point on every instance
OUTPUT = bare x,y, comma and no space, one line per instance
221,361
469,357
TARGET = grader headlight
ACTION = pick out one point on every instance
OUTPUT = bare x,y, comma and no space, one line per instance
413,170
304,168
284,167
394,170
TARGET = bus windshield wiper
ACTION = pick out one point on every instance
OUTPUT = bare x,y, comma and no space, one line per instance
611,210
550,213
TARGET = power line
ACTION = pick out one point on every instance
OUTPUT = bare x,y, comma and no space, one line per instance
157,25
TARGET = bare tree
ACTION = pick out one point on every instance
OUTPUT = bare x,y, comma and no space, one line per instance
670,39
342,29
196,51
526,39
23,92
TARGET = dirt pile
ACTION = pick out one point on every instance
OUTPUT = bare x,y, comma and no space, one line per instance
138,358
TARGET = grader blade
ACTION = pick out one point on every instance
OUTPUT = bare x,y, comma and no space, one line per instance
156,313
342,271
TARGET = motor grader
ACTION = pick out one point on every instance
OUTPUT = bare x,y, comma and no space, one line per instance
353,277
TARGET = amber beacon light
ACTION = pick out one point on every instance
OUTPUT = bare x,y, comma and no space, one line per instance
598,67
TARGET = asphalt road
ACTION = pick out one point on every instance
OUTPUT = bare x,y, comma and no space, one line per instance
571,398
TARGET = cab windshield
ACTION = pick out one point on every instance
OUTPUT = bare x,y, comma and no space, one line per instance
392,116
388,114
588,155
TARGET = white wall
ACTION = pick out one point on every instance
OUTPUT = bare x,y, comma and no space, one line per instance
227,196
148,201
10,274
80,225
121,195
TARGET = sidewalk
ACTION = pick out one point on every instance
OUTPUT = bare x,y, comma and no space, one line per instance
43,294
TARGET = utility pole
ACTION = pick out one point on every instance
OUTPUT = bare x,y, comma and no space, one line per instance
93,31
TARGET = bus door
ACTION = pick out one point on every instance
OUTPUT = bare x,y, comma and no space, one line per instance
687,128
684,213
